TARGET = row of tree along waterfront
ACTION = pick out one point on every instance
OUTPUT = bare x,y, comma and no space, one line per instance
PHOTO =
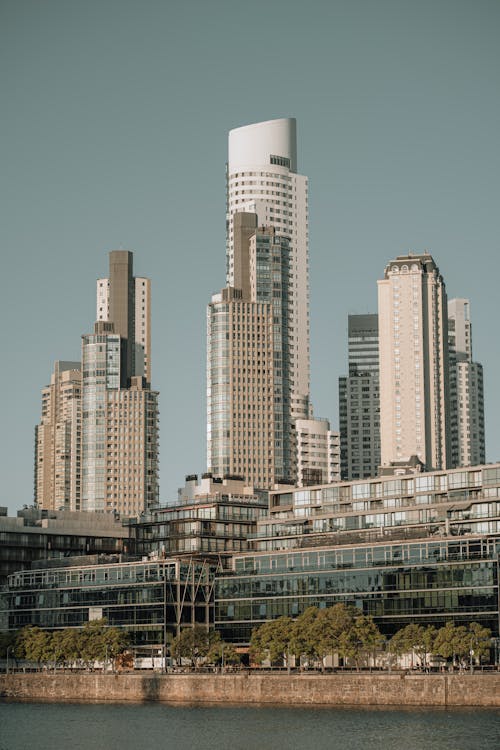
339,632
356,640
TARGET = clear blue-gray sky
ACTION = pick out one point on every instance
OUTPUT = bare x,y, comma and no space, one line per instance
114,120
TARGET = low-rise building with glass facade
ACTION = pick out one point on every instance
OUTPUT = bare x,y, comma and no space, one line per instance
151,599
414,548
36,534
212,517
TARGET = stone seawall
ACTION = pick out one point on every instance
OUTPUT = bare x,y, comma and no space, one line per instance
444,690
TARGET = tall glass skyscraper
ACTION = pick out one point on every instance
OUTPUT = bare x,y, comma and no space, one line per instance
359,401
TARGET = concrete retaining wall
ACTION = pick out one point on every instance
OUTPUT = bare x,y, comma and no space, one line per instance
304,689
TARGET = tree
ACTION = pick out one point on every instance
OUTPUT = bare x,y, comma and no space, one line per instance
193,643
480,641
222,653
362,639
272,640
303,641
414,639
99,642
452,642
329,626
70,645
33,644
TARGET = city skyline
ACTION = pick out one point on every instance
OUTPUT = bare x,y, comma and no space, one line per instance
397,134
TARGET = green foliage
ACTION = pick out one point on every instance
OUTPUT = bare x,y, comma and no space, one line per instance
33,644
221,652
94,642
414,639
272,640
195,644
315,634
480,640
455,642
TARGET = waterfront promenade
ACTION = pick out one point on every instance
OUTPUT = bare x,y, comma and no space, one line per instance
353,689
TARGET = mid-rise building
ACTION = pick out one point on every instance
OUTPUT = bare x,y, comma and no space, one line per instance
262,178
151,600
414,366
39,534
58,441
212,517
318,452
406,549
359,401
466,389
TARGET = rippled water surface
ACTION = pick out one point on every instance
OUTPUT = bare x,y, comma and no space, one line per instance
50,726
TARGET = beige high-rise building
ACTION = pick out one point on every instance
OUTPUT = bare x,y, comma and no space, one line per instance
240,389
141,319
249,424
58,440
120,411
414,367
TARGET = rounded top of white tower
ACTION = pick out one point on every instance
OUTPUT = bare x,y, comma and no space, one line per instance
254,145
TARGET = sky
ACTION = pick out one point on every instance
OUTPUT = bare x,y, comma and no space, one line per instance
113,135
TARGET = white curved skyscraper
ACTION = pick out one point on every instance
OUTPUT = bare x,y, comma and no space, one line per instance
262,179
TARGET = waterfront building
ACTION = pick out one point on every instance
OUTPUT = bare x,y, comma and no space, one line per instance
58,440
318,452
262,178
359,401
213,517
151,599
414,366
466,389
412,548
403,549
36,534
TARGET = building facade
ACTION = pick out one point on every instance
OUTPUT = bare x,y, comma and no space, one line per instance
142,320
240,390
414,548
414,363
466,389
318,452
58,440
119,431
152,600
36,534
249,409
404,549
262,178
212,517
120,411
359,401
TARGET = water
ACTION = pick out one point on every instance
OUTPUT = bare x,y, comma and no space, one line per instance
49,726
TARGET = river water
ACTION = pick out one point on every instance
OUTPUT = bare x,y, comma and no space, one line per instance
52,726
